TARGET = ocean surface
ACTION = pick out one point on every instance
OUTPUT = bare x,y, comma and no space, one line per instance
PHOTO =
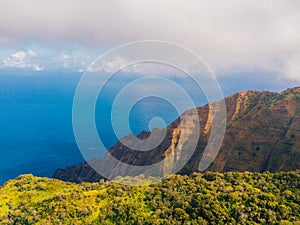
36,134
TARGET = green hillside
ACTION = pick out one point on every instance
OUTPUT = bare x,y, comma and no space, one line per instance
209,198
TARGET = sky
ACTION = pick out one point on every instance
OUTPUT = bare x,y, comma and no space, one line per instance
235,38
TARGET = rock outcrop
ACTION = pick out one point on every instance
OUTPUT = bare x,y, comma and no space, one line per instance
262,134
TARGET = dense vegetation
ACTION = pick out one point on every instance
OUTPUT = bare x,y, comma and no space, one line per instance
209,198
292,93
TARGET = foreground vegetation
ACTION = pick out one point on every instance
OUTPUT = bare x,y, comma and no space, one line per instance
209,198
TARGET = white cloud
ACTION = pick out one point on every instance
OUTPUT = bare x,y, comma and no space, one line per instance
37,67
292,68
22,59
19,56
140,68
72,62
249,34
32,53
64,56
109,66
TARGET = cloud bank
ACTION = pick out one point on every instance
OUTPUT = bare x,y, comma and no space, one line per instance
229,35
22,60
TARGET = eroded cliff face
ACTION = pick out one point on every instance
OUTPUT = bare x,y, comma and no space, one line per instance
262,133
265,136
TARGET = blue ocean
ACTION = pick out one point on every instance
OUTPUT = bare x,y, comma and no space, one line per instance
36,134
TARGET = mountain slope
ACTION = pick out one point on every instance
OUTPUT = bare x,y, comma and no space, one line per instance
262,134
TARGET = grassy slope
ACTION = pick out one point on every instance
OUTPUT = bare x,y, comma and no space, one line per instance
200,198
